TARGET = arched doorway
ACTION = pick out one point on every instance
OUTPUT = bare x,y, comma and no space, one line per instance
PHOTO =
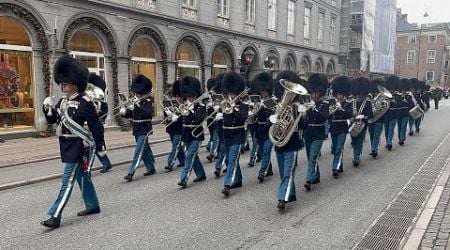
330,68
143,61
318,66
290,63
16,76
305,66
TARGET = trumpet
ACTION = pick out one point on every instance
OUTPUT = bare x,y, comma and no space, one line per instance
228,105
217,100
184,108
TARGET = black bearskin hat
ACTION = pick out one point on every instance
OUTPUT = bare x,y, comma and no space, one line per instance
218,83
341,85
360,86
141,84
263,82
287,75
69,70
405,84
96,80
233,82
176,88
190,86
392,83
374,83
415,84
427,87
318,83
210,84
422,85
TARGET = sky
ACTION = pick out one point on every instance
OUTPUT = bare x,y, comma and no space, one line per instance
438,10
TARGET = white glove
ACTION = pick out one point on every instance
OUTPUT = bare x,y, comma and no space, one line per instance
218,117
250,113
216,108
168,112
191,108
101,153
174,117
360,117
273,119
123,111
48,102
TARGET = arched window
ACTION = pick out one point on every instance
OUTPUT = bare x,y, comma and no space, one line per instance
289,63
305,66
85,46
330,68
143,61
188,62
16,76
220,60
272,63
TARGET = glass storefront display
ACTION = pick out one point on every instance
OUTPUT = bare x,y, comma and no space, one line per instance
220,62
188,64
16,81
86,47
143,61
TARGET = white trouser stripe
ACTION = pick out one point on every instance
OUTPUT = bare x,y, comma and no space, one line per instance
140,154
66,192
194,155
291,176
233,176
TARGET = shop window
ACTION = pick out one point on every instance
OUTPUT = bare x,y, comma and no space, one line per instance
143,61
220,62
188,64
16,77
85,46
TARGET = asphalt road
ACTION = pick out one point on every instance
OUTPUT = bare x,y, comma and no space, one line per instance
153,213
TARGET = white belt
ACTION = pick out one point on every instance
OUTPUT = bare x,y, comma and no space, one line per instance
68,136
139,121
339,120
190,126
238,127
316,125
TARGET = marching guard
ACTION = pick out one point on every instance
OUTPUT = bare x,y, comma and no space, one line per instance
221,153
70,114
286,147
235,113
392,84
362,111
406,103
175,129
415,89
314,127
141,115
193,112
102,110
376,125
263,85
340,113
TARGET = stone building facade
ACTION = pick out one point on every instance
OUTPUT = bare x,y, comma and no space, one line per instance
161,39
423,52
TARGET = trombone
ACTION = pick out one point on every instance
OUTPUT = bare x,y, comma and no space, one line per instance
129,102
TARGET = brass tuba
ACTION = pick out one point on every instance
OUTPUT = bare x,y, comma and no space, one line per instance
380,104
95,95
282,130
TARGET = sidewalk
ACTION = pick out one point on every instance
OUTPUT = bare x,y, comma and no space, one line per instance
18,151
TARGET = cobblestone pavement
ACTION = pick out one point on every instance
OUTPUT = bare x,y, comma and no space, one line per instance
436,236
18,151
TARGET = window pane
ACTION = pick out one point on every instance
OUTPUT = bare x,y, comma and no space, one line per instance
306,25
321,27
143,48
13,33
186,52
86,41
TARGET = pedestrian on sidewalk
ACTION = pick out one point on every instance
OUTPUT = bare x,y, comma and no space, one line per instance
141,115
70,114
102,110
174,129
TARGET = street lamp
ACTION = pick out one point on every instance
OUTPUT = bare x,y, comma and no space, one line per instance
248,56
